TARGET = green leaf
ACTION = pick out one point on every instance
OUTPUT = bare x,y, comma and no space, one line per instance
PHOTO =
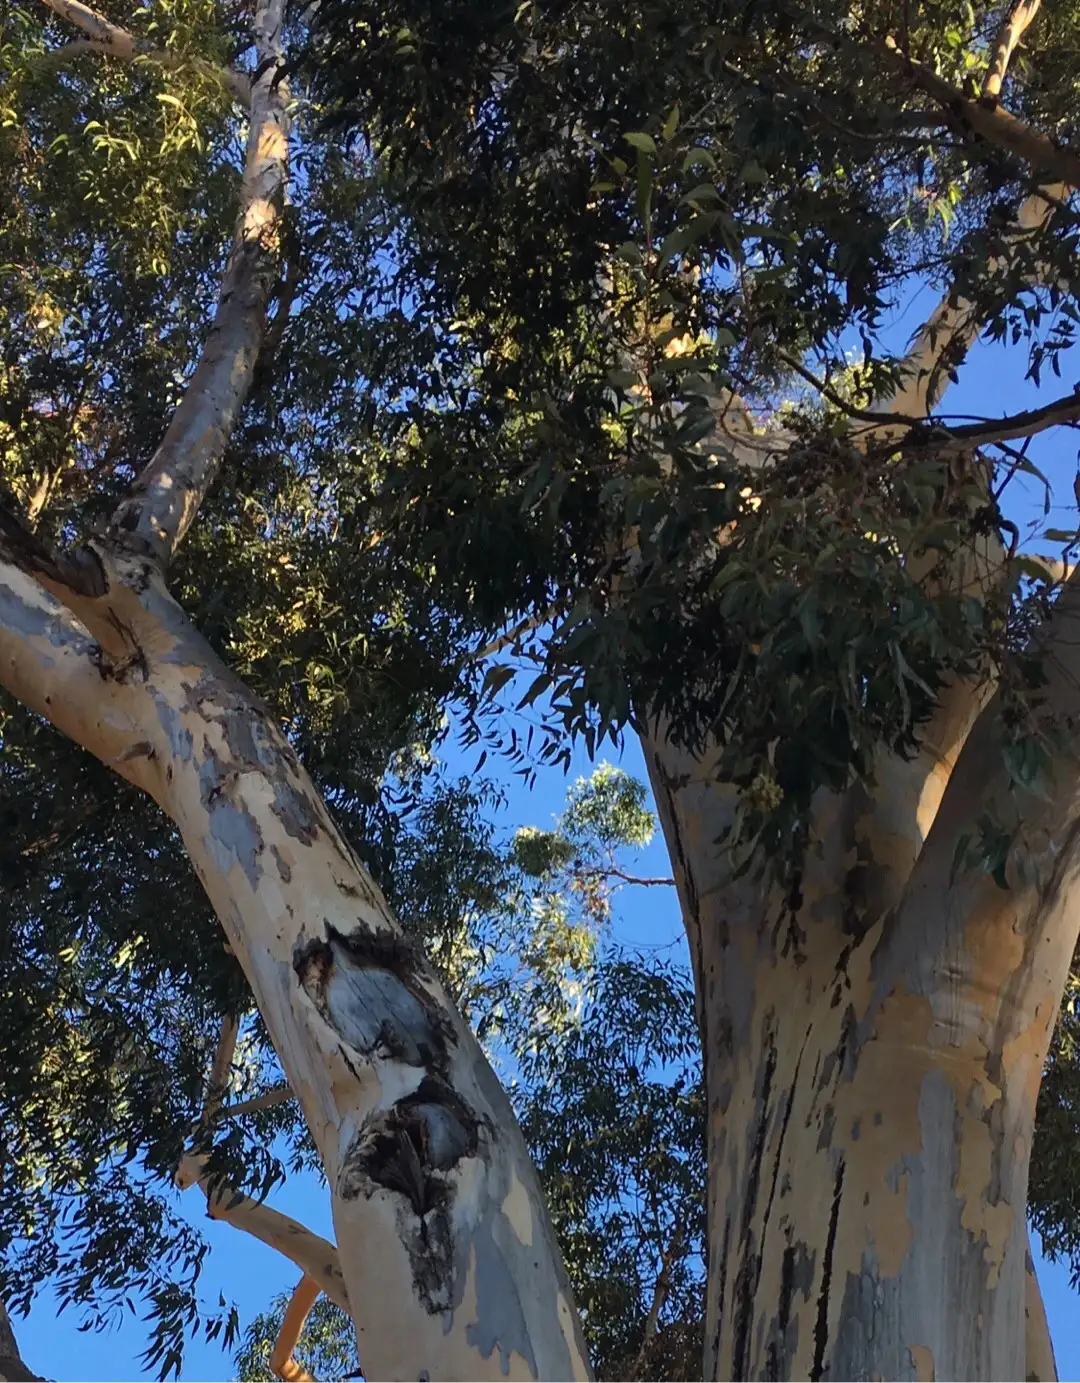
640,140
538,687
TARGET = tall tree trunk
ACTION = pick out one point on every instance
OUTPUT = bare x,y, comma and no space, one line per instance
450,1264
872,1061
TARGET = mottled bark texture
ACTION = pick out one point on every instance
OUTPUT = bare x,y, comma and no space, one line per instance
873,1052
449,1261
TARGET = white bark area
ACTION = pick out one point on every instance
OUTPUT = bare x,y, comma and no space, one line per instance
444,1243
441,1230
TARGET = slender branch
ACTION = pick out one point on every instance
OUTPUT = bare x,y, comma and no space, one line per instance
312,1254
237,85
1012,30
278,1095
165,498
218,1083
659,1296
507,640
1005,429
993,123
601,872
1016,425
282,1364
862,415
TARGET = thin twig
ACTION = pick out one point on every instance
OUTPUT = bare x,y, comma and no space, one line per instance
278,1095
659,1296
507,640
603,872
1005,429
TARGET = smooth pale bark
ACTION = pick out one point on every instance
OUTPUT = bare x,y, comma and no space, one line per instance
872,1077
448,1257
871,1089
1040,1366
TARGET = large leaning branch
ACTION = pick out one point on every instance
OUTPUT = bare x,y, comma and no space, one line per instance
114,41
165,498
990,121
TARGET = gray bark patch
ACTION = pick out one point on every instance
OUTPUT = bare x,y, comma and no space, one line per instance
249,740
365,988
500,1323
283,866
176,732
295,811
233,834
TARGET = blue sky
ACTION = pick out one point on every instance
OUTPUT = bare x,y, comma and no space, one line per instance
250,1274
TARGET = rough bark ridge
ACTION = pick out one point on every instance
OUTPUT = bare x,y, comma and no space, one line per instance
445,1255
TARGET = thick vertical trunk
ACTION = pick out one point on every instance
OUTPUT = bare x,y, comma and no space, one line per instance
450,1264
871,1078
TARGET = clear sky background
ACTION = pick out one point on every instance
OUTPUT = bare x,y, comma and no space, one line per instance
250,1274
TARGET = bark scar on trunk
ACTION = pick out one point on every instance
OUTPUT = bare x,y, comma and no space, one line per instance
368,988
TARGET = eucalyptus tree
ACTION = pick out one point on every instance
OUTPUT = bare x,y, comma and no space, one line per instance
541,278
855,693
